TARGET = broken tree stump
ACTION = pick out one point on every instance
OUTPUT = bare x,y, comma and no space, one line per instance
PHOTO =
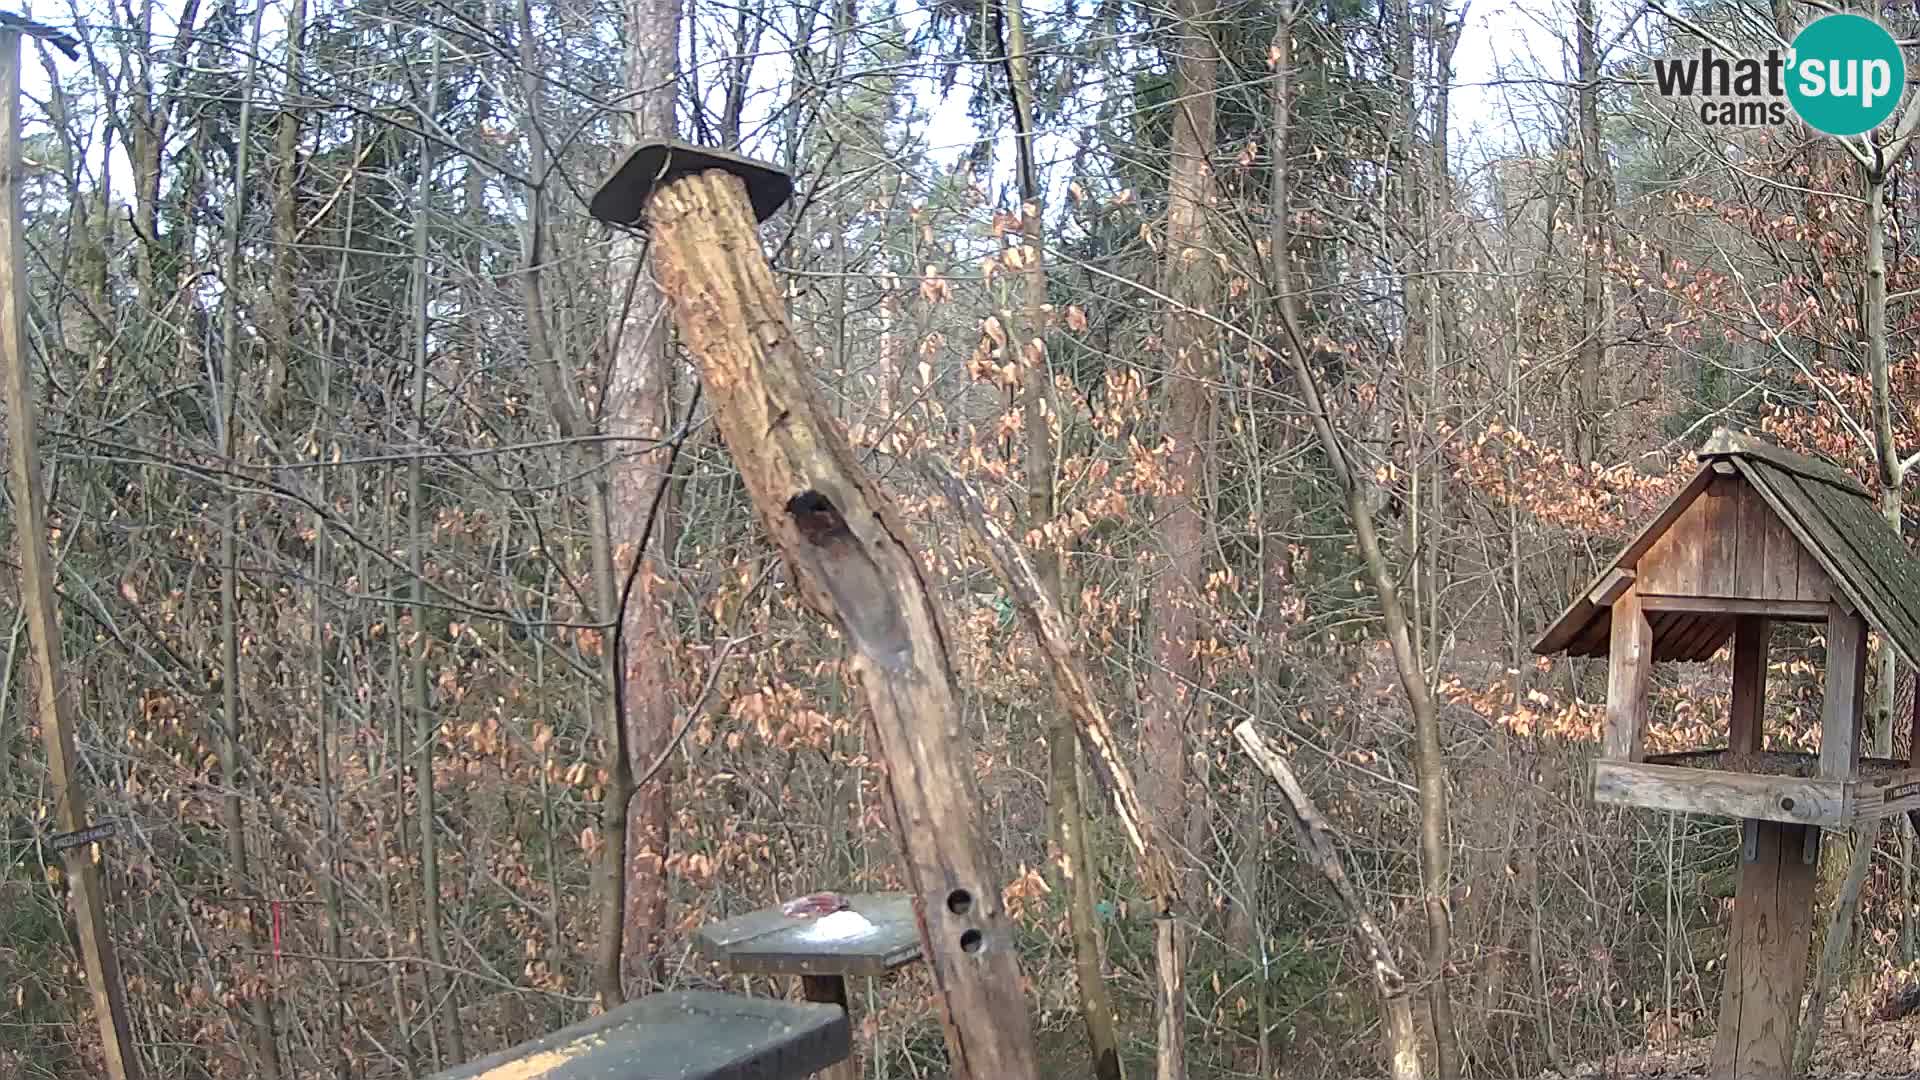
1070,684
846,547
1074,692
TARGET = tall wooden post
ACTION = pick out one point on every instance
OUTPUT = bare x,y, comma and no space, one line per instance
847,549
1766,952
1629,666
1773,899
36,593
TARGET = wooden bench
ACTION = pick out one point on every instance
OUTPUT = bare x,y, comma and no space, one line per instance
691,1035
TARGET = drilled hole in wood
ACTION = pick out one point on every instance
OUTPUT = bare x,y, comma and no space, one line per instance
971,941
959,901
1786,804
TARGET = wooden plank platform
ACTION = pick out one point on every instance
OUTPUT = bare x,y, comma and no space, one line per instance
768,942
693,1035
1773,786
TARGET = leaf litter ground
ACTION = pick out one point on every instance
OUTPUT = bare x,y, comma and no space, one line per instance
1879,1051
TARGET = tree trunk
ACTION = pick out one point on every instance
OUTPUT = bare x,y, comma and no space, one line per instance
1072,688
279,314
50,693
1836,949
1592,356
266,1053
1429,759
1189,408
639,408
330,885
1075,859
1174,618
570,418
1073,694
1438,318
425,722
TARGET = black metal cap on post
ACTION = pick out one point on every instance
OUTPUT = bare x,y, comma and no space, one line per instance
622,199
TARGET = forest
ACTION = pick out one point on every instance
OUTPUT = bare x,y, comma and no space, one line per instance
432,664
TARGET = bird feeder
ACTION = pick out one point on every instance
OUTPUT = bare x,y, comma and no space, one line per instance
1759,535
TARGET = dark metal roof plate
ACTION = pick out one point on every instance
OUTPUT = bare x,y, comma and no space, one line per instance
622,199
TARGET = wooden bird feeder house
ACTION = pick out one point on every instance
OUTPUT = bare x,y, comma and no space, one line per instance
1759,535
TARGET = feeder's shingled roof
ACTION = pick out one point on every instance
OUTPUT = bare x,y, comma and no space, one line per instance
1826,509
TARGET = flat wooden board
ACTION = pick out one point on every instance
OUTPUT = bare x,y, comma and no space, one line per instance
1721,543
1721,550
769,942
1813,611
1677,562
1724,783
693,1035
1687,790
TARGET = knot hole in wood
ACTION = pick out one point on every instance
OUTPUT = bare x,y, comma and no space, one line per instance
866,601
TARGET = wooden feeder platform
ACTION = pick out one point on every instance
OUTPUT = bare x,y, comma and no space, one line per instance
769,942
1769,785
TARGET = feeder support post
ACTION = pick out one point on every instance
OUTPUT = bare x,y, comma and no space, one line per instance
1629,664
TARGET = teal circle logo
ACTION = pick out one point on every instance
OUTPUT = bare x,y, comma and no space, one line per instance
1847,74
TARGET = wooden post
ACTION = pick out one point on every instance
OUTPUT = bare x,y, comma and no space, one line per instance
1629,662
36,593
1766,956
1773,899
1746,726
845,545
1840,711
831,990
